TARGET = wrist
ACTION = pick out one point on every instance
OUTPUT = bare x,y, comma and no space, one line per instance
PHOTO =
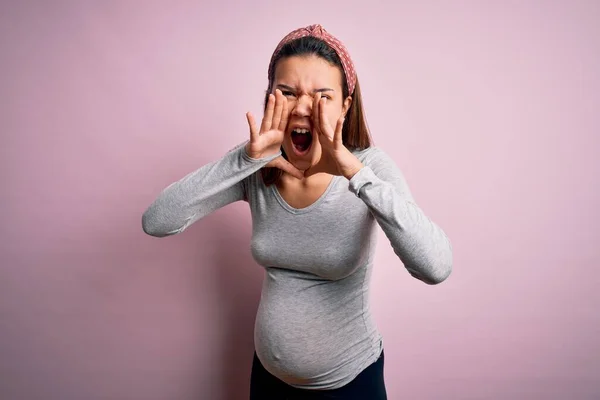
262,155
253,154
353,171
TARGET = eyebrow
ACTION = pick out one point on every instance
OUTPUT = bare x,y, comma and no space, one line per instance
314,91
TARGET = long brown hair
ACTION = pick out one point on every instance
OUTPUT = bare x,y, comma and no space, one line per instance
355,132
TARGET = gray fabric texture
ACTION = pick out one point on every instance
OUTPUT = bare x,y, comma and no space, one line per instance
313,328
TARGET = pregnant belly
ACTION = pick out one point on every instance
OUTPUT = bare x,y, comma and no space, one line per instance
305,344
295,353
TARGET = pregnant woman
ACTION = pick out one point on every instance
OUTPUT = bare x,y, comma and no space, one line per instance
317,190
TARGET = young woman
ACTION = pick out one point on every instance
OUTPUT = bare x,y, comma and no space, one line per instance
317,190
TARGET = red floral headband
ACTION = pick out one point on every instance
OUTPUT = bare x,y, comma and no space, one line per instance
319,32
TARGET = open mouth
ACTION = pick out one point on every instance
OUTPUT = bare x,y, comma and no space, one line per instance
301,141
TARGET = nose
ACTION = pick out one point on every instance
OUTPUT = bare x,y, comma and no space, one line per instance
303,106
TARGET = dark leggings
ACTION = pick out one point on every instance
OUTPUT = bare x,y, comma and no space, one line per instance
369,384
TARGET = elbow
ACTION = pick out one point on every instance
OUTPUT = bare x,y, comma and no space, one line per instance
440,275
160,221
151,225
431,279
441,266
435,272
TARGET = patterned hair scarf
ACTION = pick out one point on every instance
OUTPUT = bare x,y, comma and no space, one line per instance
320,33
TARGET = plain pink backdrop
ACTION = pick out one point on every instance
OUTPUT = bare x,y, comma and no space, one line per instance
490,108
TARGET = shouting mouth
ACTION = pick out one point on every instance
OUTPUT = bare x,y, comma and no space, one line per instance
301,141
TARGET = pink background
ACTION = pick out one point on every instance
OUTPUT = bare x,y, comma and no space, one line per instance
491,109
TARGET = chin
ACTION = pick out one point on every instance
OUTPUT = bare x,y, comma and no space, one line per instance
302,165
304,160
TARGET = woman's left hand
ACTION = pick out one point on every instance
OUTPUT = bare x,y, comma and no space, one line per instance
336,159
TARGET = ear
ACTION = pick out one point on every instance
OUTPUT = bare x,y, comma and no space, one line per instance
346,105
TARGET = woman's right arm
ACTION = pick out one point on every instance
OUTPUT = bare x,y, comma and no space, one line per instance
222,182
201,192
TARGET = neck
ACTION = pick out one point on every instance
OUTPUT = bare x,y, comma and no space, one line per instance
316,179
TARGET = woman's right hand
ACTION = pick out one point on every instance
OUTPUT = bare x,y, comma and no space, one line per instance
267,141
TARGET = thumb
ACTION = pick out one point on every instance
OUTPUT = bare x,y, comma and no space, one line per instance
286,166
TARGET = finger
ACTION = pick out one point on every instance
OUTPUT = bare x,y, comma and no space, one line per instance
285,165
268,117
325,126
284,115
315,112
337,137
278,109
252,124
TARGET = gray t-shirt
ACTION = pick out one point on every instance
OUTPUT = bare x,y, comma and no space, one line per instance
313,328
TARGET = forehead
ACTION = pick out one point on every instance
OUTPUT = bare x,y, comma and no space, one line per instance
309,71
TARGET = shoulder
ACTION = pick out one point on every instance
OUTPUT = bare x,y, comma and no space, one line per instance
373,156
384,167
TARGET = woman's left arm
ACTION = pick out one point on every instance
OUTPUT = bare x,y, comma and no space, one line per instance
420,244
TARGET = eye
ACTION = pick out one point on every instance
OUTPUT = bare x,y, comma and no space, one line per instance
287,93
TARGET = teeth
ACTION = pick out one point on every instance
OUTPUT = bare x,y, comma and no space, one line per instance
302,131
